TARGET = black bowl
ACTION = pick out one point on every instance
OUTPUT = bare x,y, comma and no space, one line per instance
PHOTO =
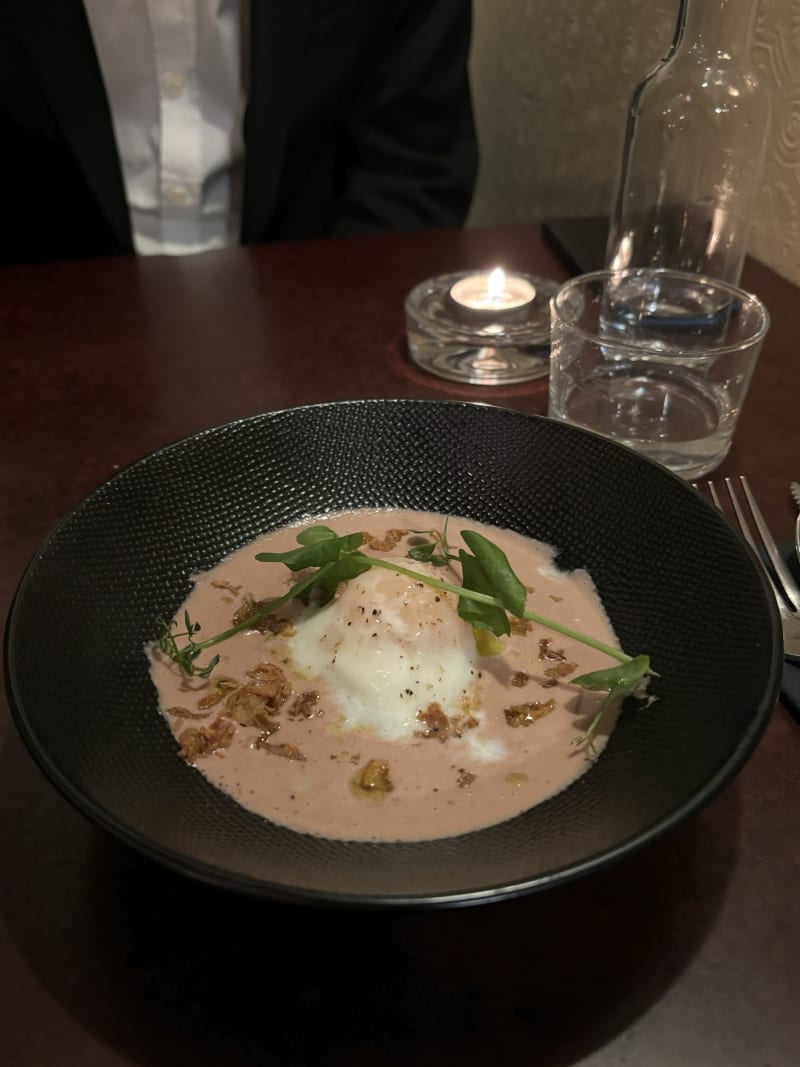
677,582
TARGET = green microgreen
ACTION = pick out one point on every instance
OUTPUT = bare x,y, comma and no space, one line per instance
629,679
184,655
489,591
436,551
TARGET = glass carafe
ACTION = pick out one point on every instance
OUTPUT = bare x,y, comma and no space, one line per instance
694,149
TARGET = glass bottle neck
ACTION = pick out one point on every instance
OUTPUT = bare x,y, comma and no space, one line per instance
715,27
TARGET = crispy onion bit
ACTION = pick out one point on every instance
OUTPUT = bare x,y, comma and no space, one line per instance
525,714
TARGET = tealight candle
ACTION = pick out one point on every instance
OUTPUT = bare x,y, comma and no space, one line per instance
484,328
492,296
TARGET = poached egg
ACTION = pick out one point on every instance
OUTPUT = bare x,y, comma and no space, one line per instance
387,647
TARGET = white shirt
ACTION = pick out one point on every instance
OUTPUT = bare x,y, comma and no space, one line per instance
174,78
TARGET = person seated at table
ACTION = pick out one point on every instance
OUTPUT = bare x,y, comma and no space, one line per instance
184,125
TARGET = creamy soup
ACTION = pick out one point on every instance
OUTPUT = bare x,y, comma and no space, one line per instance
373,717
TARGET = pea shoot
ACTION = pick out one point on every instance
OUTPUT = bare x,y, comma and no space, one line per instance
489,593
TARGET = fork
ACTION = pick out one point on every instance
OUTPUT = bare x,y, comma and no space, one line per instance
787,593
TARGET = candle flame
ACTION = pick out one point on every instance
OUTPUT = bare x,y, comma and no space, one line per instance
495,284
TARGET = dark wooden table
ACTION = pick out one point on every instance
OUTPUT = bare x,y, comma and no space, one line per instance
687,954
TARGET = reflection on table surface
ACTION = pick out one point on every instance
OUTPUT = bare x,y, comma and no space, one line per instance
688,953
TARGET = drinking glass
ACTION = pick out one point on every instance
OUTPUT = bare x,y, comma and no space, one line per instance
659,360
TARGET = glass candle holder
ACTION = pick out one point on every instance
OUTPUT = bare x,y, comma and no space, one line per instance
481,328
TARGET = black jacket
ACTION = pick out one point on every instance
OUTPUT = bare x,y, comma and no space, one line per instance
358,119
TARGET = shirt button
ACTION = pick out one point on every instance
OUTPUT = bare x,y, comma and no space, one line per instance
179,194
173,83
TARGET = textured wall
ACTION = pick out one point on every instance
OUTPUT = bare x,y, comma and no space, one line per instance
775,237
552,79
